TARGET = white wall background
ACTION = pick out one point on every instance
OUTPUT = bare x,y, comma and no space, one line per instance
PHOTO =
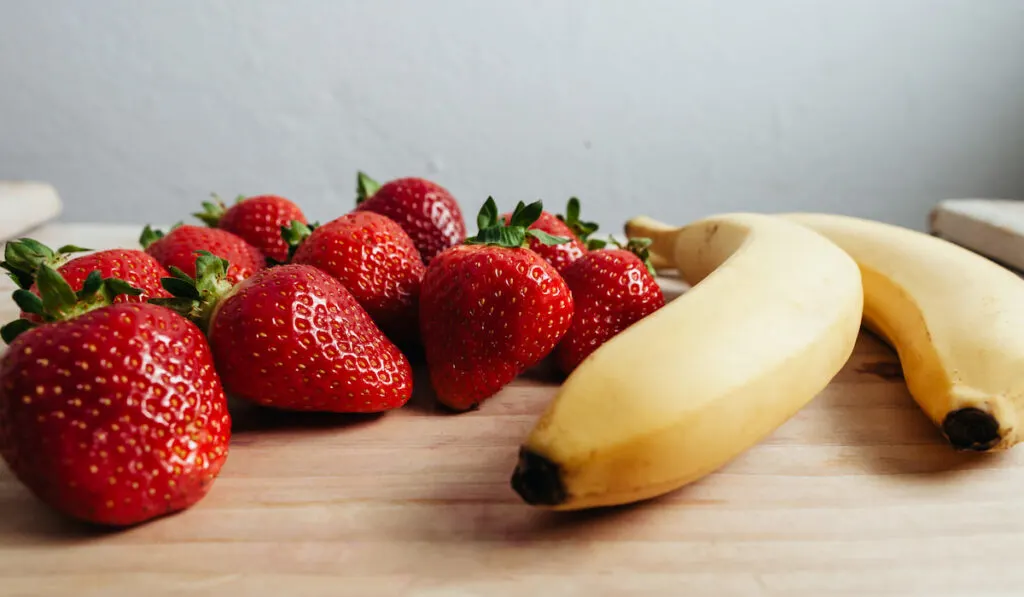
677,108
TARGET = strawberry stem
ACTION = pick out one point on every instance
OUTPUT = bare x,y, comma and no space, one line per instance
149,236
581,229
213,211
23,257
366,187
197,298
294,235
57,301
493,231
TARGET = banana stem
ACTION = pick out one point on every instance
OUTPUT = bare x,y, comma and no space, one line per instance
663,239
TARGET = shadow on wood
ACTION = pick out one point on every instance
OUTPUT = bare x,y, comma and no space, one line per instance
247,417
896,437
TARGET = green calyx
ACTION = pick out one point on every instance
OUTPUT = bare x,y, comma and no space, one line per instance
294,235
23,257
57,301
638,246
150,236
366,187
214,210
581,229
492,230
197,298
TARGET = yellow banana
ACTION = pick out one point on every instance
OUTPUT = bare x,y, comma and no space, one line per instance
773,315
955,318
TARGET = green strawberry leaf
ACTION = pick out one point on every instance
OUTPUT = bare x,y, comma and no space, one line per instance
366,187
212,212
21,279
177,272
149,236
72,249
547,239
488,216
294,235
197,298
180,288
24,256
28,301
114,287
23,250
91,286
57,301
57,295
572,210
209,268
524,215
581,229
492,230
14,329
500,236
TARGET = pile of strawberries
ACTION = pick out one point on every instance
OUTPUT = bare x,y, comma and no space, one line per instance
113,390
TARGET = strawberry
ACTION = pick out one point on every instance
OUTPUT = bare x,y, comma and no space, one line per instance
292,337
376,261
491,308
425,210
559,255
178,248
612,289
109,413
23,257
258,220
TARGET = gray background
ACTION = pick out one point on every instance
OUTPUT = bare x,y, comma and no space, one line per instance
138,110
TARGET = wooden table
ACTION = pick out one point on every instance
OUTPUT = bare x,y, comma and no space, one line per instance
856,495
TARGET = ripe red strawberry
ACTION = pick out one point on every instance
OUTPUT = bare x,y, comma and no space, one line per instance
292,337
258,220
425,210
612,289
22,259
376,261
490,309
178,249
559,255
114,415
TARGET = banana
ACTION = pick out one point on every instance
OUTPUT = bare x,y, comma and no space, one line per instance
772,316
954,318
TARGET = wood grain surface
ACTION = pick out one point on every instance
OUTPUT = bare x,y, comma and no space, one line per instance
856,495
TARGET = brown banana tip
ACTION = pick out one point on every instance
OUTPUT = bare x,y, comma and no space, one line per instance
538,480
971,429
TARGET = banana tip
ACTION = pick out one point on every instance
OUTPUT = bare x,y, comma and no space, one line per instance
971,429
630,226
538,480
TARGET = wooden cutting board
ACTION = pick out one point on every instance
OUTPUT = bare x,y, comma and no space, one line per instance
856,495
991,227
25,205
